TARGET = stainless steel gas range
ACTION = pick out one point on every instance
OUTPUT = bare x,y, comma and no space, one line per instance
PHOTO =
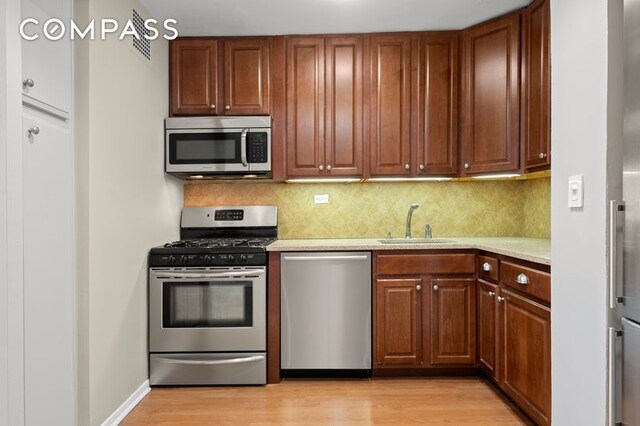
207,298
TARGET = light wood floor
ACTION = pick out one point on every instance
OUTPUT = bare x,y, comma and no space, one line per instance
451,401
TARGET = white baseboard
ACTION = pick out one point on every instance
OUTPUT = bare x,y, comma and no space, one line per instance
126,407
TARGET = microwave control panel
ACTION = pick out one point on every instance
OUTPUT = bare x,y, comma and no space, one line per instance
257,147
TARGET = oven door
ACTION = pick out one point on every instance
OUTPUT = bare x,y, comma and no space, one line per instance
207,309
205,151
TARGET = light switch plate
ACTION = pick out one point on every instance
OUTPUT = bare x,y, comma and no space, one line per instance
576,192
321,199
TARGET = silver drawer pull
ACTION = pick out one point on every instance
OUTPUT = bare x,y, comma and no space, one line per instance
211,362
492,293
435,288
28,82
522,279
418,287
486,267
35,130
500,299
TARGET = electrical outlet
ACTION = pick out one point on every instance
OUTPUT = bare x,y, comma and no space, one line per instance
321,199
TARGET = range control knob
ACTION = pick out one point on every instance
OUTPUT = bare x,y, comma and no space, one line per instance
184,260
243,258
231,258
207,259
172,260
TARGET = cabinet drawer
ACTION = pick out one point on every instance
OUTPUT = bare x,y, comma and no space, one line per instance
527,280
488,268
409,264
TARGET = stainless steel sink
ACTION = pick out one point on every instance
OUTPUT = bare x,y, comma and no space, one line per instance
414,241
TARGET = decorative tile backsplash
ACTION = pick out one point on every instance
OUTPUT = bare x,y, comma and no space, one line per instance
371,210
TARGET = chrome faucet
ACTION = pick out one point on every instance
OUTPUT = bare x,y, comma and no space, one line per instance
407,233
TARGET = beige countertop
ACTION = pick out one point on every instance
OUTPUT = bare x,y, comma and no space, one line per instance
532,249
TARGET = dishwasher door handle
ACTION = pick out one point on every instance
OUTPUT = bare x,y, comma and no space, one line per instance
359,257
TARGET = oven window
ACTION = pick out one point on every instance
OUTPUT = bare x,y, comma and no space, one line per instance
204,148
207,304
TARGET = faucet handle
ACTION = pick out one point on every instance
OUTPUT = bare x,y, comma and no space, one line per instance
427,231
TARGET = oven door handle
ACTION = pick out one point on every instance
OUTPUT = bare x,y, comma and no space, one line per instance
243,147
211,362
238,274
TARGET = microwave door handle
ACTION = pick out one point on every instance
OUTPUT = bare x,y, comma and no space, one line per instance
243,147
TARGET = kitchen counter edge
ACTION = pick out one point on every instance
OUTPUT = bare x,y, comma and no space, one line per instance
535,250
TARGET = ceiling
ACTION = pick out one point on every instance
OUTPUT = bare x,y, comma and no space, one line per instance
272,17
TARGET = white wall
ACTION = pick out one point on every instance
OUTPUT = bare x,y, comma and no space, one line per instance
4,318
126,205
579,141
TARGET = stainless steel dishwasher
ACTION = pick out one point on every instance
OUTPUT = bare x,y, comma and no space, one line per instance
326,311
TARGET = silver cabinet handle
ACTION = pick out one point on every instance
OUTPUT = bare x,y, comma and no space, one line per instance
329,167
35,130
213,106
407,166
615,208
543,155
421,166
243,147
321,168
500,299
227,107
211,362
522,279
418,287
28,82
492,293
435,287
486,266
466,165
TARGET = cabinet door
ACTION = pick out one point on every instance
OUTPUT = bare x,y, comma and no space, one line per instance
194,77
526,353
46,64
390,105
305,106
246,77
343,139
453,321
487,328
490,111
536,88
49,272
397,323
437,112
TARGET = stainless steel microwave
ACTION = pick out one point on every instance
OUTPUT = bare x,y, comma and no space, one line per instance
213,146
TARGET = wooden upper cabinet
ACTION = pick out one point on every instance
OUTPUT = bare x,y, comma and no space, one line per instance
194,77
436,115
389,57
343,119
490,93
246,77
305,106
324,106
453,321
536,86
219,76
398,322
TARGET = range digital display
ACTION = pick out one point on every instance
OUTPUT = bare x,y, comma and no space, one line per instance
229,215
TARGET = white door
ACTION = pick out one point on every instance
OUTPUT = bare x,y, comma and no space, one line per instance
49,270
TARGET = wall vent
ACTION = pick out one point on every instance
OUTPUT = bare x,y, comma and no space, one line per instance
142,45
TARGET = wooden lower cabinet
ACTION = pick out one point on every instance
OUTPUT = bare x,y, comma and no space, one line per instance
488,337
453,321
398,322
424,310
526,354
